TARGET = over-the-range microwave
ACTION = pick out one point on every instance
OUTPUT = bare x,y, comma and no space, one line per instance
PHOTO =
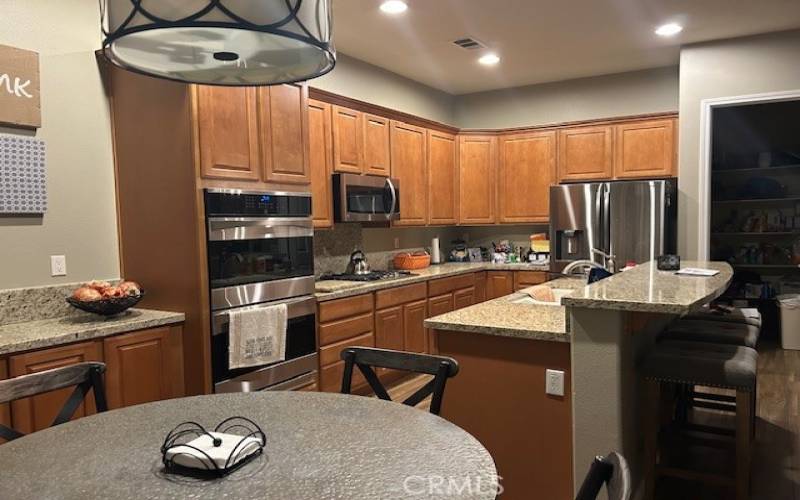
365,198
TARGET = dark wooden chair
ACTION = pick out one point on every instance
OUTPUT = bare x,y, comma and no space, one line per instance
84,376
610,471
365,358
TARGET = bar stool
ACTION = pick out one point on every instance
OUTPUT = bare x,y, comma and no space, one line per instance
747,315
716,332
698,363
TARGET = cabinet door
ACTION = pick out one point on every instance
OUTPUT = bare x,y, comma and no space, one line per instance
38,412
348,140
476,179
144,366
227,126
480,287
585,153
499,284
645,149
389,331
320,161
438,305
409,167
527,169
442,178
414,314
376,145
284,134
463,298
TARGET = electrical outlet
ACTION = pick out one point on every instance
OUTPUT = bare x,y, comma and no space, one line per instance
58,265
396,242
554,382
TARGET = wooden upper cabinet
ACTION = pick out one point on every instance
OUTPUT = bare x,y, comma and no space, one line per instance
477,159
585,153
348,140
284,143
320,162
228,132
38,412
442,178
377,156
527,169
645,149
144,366
409,167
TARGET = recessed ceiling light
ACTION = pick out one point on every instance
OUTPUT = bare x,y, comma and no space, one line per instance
489,59
394,6
669,29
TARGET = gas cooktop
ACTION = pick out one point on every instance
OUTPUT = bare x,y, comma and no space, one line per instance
371,276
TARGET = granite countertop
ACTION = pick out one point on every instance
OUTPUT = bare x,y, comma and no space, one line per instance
505,318
335,289
29,335
646,289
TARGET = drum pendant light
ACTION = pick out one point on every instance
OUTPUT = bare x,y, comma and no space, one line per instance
220,42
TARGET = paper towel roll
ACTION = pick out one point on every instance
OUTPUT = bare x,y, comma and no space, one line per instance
435,257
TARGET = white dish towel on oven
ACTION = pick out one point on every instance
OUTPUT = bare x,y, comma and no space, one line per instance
257,336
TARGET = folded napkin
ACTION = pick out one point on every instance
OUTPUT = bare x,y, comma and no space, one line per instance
187,456
257,336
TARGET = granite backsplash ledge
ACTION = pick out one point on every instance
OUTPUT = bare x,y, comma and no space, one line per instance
18,305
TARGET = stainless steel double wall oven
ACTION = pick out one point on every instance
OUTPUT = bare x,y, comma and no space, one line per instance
261,253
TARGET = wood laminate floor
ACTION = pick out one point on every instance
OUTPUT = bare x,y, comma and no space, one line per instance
776,459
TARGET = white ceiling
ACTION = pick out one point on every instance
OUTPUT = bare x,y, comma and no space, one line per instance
541,40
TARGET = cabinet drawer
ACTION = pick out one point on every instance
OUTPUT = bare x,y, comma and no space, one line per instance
399,295
463,298
343,308
330,354
345,329
330,379
444,285
524,279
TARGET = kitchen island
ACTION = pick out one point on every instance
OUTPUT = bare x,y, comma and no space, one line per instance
544,442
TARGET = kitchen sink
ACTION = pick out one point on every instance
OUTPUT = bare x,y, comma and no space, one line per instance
559,293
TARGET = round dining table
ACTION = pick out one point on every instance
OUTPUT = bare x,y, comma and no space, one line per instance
318,446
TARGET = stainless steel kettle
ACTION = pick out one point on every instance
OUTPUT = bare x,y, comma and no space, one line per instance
358,263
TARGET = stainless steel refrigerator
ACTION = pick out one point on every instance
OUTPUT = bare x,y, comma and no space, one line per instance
630,220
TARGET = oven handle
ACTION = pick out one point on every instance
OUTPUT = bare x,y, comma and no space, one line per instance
296,308
245,228
393,191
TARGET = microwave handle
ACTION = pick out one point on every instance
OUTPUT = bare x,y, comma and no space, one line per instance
393,192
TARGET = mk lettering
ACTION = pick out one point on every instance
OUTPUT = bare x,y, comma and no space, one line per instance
17,87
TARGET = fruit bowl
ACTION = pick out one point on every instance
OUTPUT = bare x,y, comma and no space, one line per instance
107,307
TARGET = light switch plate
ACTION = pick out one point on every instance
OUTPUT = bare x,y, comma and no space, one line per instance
554,382
58,265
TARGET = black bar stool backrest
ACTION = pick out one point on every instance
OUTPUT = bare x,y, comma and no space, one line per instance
365,358
84,376
611,471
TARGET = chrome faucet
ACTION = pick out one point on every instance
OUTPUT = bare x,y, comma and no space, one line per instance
611,265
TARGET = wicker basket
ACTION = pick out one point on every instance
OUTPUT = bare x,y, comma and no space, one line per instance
407,261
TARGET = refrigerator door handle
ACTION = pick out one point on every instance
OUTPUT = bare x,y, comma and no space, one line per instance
610,259
600,228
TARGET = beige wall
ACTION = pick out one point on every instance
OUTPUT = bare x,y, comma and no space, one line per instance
621,94
81,218
360,80
726,68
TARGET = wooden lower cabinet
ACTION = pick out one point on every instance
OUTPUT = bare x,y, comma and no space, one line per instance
344,323
499,284
463,298
415,337
141,366
144,366
389,328
37,413
436,306
5,408
525,279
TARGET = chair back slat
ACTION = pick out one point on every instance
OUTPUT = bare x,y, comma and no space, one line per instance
84,377
365,358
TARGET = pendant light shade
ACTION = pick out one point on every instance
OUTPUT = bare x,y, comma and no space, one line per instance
221,42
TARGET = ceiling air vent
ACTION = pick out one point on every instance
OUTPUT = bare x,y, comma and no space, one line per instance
469,43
